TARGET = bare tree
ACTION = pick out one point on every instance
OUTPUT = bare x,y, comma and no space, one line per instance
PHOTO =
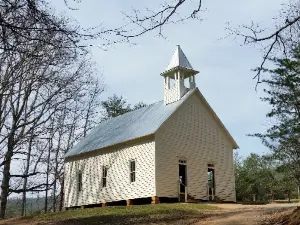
138,22
42,80
283,37
92,105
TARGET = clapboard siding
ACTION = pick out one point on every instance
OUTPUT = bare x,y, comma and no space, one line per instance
192,133
118,181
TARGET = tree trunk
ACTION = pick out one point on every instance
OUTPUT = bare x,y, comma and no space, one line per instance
61,201
55,172
4,188
23,206
6,176
47,177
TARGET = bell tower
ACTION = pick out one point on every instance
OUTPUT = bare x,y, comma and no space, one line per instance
179,77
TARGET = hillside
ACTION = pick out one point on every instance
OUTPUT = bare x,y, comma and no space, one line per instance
145,214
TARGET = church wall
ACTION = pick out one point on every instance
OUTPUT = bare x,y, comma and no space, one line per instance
117,160
193,134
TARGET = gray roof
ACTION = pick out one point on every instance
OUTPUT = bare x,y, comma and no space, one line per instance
129,126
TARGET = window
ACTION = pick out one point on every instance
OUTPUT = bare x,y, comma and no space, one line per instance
79,181
104,176
172,83
132,171
186,83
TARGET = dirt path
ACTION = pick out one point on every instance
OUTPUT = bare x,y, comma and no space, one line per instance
246,215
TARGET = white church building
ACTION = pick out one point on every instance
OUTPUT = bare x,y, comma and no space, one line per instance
172,148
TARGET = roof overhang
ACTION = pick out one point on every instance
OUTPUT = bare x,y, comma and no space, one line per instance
187,72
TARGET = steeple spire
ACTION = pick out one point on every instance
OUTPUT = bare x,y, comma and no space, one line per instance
179,61
176,72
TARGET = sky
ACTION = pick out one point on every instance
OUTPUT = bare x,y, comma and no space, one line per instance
225,77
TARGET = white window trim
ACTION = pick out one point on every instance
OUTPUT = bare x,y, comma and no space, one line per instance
79,181
104,167
130,172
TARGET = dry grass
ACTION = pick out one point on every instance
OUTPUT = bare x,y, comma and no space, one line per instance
285,217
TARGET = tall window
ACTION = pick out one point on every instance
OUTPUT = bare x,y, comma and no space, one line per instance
132,171
104,176
79,181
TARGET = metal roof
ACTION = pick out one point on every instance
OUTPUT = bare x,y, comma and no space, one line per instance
129,126
179,60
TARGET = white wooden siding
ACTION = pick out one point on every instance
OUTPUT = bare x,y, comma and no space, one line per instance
193,134
119,186
175,93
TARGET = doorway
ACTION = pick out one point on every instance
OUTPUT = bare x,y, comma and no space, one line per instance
182,175
211,190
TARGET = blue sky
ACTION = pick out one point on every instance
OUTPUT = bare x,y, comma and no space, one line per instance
225,65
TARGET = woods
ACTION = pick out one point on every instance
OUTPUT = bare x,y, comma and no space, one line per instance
279,171
283,94
261,178
276,173
48,100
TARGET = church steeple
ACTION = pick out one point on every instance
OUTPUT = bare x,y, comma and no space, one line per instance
178,70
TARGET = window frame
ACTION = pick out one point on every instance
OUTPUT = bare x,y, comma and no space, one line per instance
104,176
79,181
182,161
132,171
211,165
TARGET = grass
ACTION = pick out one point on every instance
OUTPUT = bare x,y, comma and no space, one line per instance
145,214
287,201
254,203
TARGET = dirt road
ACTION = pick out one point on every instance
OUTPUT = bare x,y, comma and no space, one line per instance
233,214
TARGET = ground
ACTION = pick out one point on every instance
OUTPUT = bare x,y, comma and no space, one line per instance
236,214
162,214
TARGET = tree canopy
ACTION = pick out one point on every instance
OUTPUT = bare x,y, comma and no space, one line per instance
283,95
263,177
115,106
